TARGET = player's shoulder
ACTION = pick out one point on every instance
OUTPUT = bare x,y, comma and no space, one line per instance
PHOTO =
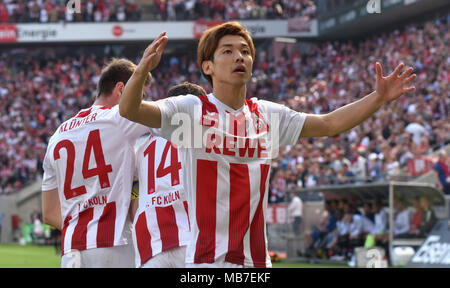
263,105
183,99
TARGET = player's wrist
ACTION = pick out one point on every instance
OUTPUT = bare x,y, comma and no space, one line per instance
142,73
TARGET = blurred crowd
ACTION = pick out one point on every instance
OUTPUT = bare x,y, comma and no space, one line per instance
396,140
232,9
44,11
39,89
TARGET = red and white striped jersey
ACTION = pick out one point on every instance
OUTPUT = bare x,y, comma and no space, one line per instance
90,160
161,222
226,175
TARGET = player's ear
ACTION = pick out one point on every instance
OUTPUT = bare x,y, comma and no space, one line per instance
207,67
119,87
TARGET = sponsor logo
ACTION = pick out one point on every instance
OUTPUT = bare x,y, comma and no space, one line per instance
202,26
117,30
8,33
433,251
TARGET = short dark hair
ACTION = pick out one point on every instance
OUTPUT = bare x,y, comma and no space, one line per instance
117,70
186,88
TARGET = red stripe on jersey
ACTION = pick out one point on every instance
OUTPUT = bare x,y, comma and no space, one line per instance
84,113
206,211
185,203
106,226
80,231
257,238
168,227
144,239
63,232
239,212
209,112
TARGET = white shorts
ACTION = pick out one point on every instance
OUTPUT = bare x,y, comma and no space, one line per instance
173,258
218,263
109,257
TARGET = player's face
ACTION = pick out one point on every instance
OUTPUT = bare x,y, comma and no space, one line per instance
233,62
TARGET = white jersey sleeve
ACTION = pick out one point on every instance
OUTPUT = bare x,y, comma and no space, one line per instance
171,106
290,122
49,181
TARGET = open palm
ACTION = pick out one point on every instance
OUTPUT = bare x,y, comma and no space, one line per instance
152,54
394,85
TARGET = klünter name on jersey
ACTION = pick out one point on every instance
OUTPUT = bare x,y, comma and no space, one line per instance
77,122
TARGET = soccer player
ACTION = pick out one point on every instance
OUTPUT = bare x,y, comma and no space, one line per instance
226,178
161,229
88,175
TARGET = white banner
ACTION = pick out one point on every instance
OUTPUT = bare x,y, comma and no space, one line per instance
145,31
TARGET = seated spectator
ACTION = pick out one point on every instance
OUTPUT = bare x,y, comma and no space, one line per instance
416,218
314,240
428,216
367,211
359,227
380,217
345,176
401,219
442,172
374,168
337,240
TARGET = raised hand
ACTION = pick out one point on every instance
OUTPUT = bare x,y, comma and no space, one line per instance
394,85
152,54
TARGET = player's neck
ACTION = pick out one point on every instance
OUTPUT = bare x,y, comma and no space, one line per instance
105,101
232,96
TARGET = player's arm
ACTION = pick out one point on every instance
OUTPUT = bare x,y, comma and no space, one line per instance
345,118
133,208
134,204
51,208
131,105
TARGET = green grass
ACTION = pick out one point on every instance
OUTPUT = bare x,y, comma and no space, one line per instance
16,256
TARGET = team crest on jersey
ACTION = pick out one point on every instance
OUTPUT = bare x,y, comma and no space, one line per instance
259,123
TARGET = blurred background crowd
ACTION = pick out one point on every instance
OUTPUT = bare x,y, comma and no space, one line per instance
41,87
45,11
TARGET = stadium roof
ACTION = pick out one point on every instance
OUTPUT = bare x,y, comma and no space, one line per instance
379,191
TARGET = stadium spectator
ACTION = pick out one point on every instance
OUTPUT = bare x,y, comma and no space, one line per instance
314,240
380,219
428,216
367,211
416,218
442,172
345,176
359,227
38,229
401,219
295,211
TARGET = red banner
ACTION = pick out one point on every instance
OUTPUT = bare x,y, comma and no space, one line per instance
201,26
8,33
277,214
419,166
